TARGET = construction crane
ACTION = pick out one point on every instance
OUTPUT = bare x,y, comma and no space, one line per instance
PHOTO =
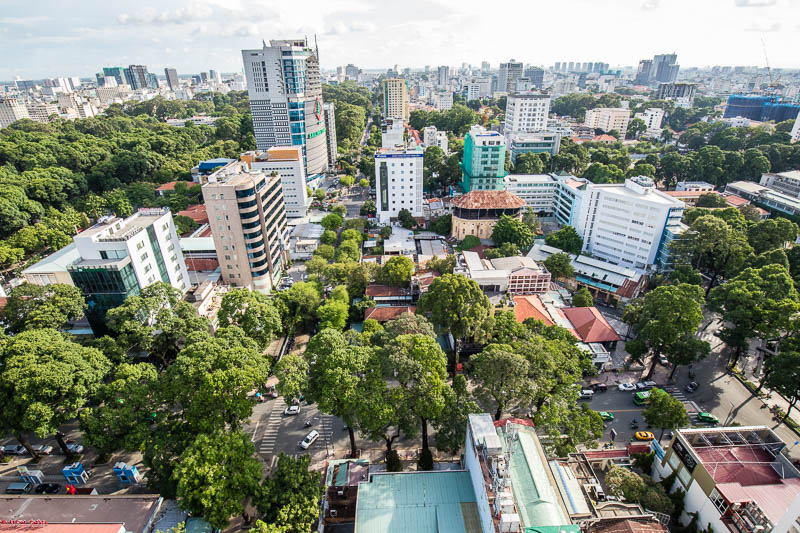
773,82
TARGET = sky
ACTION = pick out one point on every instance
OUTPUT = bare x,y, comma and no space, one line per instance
50,38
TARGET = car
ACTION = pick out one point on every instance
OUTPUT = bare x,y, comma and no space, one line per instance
598,387
643,435
19,487
663,360
626,387
74,447
586,394
291,410
14,449
691,387
47,488
42,449
707,418
312,436
645,385
605,415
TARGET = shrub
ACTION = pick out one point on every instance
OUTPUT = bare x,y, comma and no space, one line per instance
425,461
393,463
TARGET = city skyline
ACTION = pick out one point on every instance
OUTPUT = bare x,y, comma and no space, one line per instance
45,40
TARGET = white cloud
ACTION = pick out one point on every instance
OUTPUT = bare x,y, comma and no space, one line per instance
768,27
755,3
149,16
650,4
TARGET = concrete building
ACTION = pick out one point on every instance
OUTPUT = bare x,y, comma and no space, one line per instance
698,186
477,212
41,111
432,137
608,118
287,161
120,257
398,182
516,275
652,117
665,69
395,99
443,101
526,112
541,141
53,268
765,195
443,76
787,183
283,83
11,110
536,76
736,479
507,76
537,190
172,78
392,133
682,93
330,134
483,164
796,130
247,215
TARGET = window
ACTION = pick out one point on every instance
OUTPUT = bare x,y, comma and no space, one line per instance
143,257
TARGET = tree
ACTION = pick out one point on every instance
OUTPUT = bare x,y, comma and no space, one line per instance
290,497
566,239
711,199
508,249
332,222
292,373
514,231
528,163
602,173
623,482
469,242
348,251
396,271
560,266
664,412
319,195
771,233
451,430
253,312
582,298
299,302
328,237
750,212
216,474
347,181
46,380
325,251
32,306
636,127
406,219
442,225
333,314
352,235
500,376
363,183
783,376
685,274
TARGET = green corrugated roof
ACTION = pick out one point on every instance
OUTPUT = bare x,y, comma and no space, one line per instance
422,502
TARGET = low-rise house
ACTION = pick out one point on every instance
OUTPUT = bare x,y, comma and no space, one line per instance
517,275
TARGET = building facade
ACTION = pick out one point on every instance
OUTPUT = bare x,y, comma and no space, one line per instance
119,257
330,134
608,118
542,141
398,182
283,83
536,75
172,78
247,216
526,112
395,99
287,162
796,130
483,164
787,183
507,76
477,212
443,101
681,92
11,110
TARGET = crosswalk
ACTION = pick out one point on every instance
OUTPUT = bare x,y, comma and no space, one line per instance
272,427
676,393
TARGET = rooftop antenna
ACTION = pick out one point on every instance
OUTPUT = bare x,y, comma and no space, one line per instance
316,47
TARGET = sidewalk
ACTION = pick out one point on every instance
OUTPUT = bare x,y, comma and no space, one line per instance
751,366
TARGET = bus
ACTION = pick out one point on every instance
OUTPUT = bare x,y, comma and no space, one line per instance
641,398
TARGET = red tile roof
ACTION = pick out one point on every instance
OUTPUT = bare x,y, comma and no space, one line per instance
196,212
384,314
745,465
604,138
531,306
735,201
488,200
169,186
628,525
520,421
376,289
590,324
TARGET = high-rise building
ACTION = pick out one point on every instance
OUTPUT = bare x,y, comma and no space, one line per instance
136,76
536,75
395,99
486,67
443,100
557,66
483,164
665,69
443,75
214,76
652,117
118,73
41,111
283,83
11,110
643,73
608,118
330,134
398,182
172,78
352,72
247,217
681,92
287,161
120,257
526,112
507,76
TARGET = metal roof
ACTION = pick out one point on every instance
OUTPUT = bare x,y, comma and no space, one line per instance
55,262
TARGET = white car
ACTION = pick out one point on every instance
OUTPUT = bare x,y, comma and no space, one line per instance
291,410
310,439
14,449
74,447
626,387
42,449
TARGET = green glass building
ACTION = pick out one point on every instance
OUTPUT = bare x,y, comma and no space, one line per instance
484,163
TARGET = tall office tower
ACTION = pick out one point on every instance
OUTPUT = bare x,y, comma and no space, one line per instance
486,67
117,72
172,78
11,110
152,81
664,68
608,118
136,76
536,75
526,113
247,217
330,134
557,66
483,166
283,82
683,93
427,69
214,76
443,75
507,76
395,99
340,73
204,77
643,73
571,66
287,161
398,182
120,257
352,72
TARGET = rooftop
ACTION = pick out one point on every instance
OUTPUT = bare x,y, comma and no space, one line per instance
169,186
196,212
590,324
376,289
386,313
117,229
530,178
530,306
422,502
629,525
488,200
234,173
747,186
55,262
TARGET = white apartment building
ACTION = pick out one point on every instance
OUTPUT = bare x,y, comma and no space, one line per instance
694,186
395,99
608,118
41,111
526,112
11,110
247,217
787,183
472,91
432,137
652,116
796,130
538,190
507,76
623,223
392,133
443,101
398,181
287,161
330,132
